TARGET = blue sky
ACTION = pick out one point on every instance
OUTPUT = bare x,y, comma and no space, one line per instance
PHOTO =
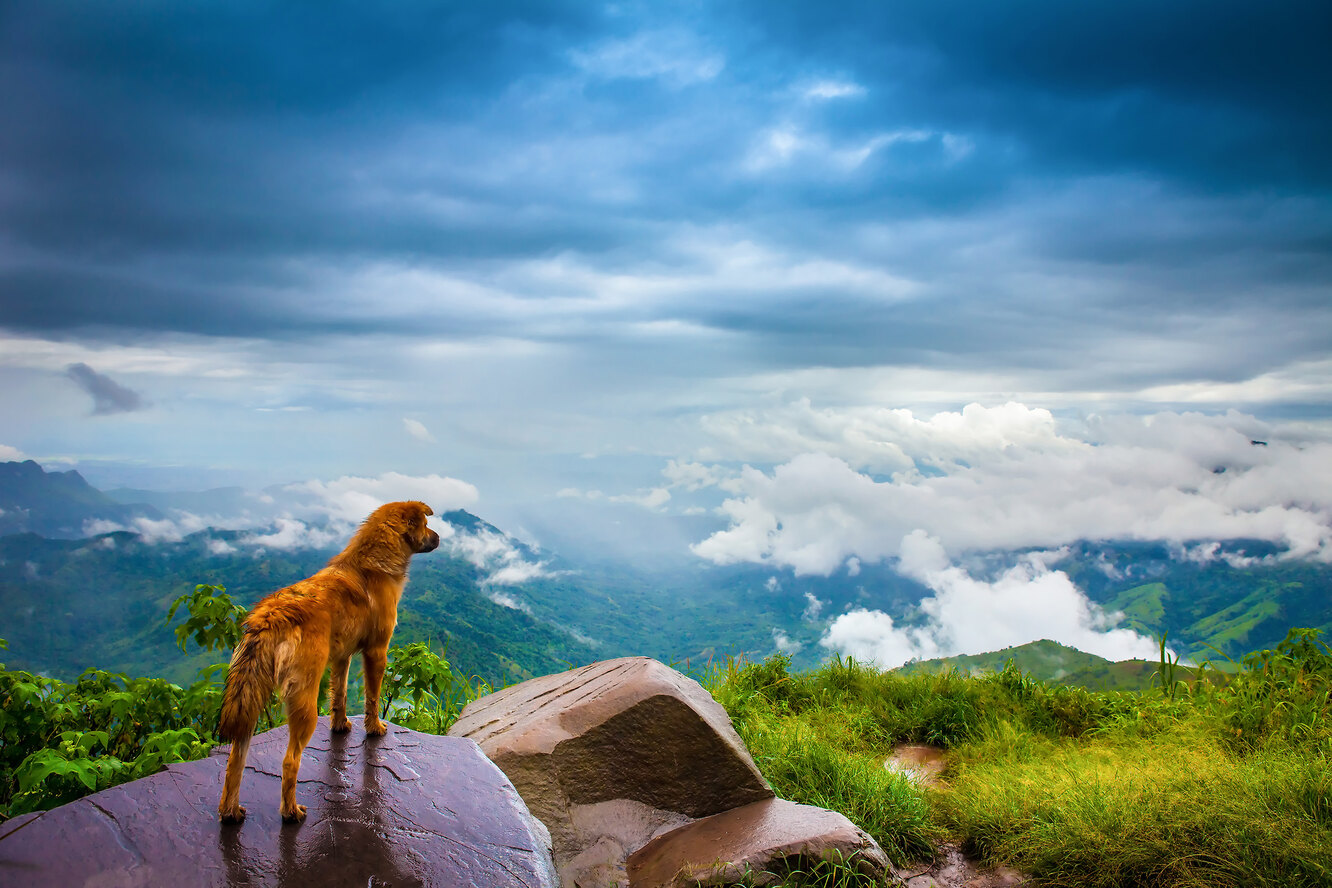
591,260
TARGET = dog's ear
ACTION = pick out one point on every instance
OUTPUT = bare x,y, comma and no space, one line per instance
426,509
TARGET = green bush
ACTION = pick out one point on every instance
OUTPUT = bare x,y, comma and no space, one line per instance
60,741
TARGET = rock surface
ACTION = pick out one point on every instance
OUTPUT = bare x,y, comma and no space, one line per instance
751,841
404,809
610,755
638,772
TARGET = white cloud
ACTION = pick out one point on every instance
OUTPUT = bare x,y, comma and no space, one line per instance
290,533
674,56
1009,478
784,643
872,636
965,615
653,498
350,499
151,530
494,553
504,599
11,454
813,607
1206,553
787,145
417,430
883,439
832,89
220,547
694,475
517,572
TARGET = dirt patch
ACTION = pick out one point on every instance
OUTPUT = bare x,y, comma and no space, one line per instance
951,869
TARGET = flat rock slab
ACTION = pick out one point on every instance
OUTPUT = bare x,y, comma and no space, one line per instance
760,841
405,809
610,755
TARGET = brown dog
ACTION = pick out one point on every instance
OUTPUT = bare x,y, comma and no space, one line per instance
292,635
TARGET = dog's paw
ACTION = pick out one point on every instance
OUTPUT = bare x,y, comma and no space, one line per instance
235,815
294,816
376,728
341,727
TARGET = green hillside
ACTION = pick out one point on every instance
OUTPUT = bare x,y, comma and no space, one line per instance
72,604
1225,609
1044,659
1049,661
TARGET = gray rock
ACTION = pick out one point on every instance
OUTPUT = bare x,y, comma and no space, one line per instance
402,810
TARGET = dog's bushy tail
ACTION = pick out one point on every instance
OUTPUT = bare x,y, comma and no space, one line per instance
250,682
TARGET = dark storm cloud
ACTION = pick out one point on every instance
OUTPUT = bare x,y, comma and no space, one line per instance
1047,173
1224,94
108,395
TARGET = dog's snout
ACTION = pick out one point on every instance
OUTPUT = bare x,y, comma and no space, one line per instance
431,542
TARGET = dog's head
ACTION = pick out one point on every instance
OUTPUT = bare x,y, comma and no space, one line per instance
415,534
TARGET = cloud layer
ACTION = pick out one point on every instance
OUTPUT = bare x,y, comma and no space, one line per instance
1009,478
551,246
965,615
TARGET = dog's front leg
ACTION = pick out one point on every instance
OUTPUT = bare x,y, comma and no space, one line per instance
375,661
337,691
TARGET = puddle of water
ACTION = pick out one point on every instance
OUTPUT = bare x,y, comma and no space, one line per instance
920,763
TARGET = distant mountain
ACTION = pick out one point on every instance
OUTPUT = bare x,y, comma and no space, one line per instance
1223,602
57,504
507,610
1049,661
218,501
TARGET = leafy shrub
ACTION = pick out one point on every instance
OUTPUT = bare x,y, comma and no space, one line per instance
1283,695
60,741
438,694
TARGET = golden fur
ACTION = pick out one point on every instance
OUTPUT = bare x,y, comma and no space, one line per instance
292,635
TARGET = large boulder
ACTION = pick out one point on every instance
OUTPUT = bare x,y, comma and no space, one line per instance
405,809
612,755
758,841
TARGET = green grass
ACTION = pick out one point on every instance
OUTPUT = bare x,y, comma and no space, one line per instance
1178,809
1210,785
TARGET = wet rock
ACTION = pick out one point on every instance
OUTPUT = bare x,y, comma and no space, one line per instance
611,755
761,841
404,809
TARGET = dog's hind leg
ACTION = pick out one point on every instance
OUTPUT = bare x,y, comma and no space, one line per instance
337,693
229,807
302,715
375,661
